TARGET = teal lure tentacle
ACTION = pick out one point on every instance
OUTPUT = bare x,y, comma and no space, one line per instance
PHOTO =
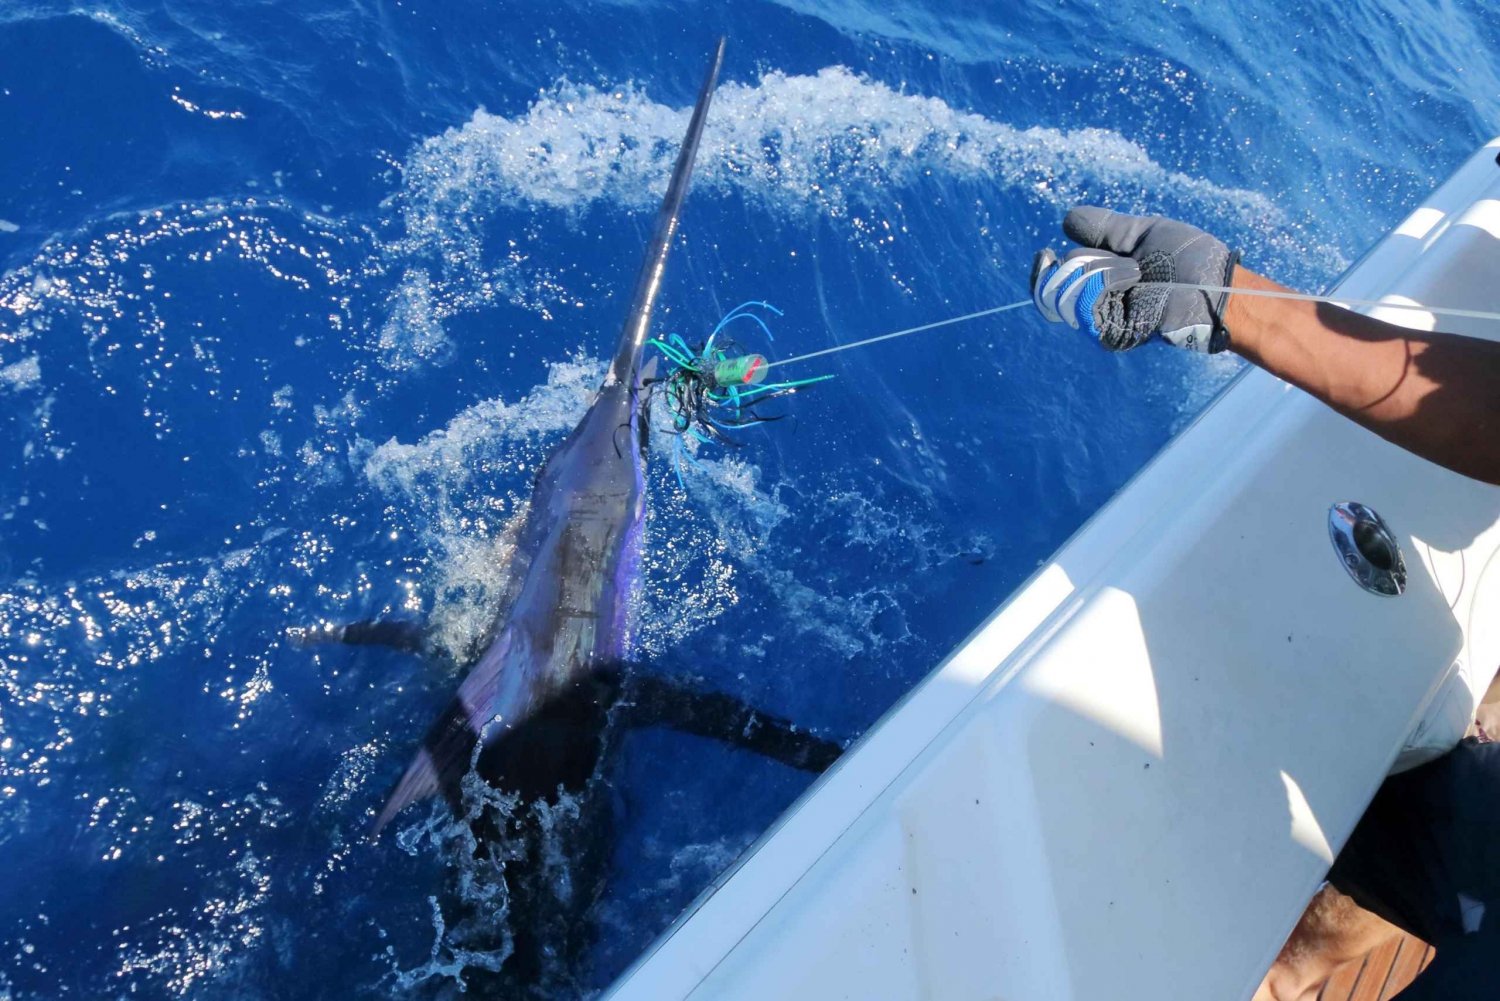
716,388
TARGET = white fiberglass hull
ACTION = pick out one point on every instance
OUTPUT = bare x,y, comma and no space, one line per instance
1130,779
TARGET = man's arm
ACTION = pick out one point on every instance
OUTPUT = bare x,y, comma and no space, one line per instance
1435,395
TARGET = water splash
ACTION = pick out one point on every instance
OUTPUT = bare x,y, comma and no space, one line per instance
786,142
463,493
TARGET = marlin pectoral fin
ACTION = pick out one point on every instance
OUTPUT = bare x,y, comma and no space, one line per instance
686,707
394,633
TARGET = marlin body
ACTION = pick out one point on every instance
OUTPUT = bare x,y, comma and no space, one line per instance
538,709
580,544
531,715
581,541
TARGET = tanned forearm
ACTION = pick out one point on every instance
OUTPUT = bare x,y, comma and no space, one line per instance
1436,395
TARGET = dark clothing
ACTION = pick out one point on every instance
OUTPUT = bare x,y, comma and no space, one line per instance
1426,857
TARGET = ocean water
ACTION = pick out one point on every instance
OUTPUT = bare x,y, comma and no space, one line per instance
296,296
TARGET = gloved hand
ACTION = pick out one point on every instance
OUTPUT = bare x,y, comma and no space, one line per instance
1110,285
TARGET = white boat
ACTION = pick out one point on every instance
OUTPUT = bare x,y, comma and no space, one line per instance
1130,779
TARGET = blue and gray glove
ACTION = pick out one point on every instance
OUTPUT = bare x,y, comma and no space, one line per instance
1110,286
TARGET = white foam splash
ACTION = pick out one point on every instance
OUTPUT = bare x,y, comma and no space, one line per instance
20,375
787,141
475,580
729,523
413,331
472,447
452,482
355,768
447,961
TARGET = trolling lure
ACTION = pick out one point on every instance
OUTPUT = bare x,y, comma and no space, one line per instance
716,388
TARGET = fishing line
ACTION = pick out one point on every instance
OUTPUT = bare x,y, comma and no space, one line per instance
716,389
1476,314
902,333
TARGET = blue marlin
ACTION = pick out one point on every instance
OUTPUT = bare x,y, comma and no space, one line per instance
532,712
537,711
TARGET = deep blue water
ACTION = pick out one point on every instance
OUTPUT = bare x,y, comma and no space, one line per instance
295,296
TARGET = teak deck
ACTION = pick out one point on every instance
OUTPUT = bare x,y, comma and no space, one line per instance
1381,974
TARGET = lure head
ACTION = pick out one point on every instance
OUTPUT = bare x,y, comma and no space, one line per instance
745,370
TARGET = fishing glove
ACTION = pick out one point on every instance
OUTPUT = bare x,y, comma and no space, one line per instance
1111,285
